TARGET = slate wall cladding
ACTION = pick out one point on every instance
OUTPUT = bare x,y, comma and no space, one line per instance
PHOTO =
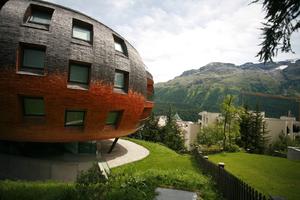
98,100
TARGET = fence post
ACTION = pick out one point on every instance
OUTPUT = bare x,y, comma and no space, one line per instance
220,178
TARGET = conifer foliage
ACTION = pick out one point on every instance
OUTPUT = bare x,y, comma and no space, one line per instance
252,130
282,19
170,134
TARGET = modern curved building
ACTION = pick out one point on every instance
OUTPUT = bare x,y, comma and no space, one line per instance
66,77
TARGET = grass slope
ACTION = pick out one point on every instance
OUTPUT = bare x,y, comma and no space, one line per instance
170,169
270,175
138,180
30,190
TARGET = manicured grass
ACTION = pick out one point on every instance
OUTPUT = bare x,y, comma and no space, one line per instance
170,169
27,190
270,175
138,180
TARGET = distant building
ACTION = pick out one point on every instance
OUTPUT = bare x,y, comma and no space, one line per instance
286,125
208,118
162,120
189,129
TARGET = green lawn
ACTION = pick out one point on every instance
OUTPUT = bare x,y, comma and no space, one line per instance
138,180
171,169
270,175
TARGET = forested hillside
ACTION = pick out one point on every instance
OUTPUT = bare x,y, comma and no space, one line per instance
204,88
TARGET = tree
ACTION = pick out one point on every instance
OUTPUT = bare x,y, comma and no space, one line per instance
150,131
210,135
245,127
282,19
172,136
229,113
253,130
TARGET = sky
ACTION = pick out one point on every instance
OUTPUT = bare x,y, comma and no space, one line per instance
173,36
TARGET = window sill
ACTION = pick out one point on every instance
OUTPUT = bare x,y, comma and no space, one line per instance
120,91
81,42
36,26
118,53
31,73
78,128
35,119
109,128
77,86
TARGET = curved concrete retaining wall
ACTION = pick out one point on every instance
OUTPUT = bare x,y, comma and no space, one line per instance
61,169
293,153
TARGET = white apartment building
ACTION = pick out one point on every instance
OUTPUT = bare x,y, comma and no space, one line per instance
208,118
274,126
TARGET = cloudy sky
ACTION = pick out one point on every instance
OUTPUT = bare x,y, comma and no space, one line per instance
177,35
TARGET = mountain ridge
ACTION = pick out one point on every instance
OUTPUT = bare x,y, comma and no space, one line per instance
204,88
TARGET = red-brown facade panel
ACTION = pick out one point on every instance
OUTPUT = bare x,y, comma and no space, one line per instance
108,58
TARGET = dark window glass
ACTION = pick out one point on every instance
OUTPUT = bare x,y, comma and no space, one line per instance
79,73
33,58
81,33
33,106
74,118
113,117
40,17
121,80
82,30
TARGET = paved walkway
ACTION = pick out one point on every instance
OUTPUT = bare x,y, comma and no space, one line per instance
123,153
171,194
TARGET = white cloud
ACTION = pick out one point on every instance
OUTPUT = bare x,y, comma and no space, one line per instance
174,35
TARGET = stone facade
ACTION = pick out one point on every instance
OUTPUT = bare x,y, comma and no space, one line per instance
61,49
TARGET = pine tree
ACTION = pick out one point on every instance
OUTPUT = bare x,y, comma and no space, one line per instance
282,19
172,136
253,130
150,131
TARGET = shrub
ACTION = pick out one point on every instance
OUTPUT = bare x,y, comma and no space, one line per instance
210,135
206,150
36,190
232,148
91,184
141,185
128,187
279,147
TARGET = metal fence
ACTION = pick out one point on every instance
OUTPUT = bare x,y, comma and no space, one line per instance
230,186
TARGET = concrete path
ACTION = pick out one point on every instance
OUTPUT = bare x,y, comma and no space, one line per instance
171,194
123,153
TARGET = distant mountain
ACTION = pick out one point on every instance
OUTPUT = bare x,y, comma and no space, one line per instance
204,88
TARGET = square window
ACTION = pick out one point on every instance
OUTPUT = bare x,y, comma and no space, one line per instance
79,73
82,30
74,118
39,15
33,106
113,118
121,81
33,58
120,45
